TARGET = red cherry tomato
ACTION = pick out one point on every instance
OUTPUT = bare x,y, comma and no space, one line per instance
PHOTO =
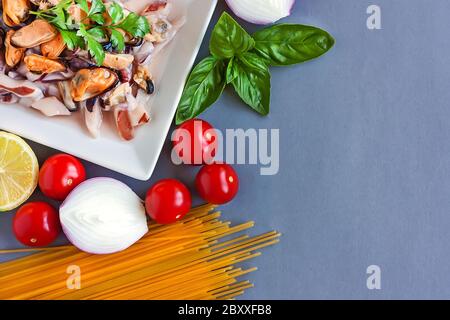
59,175
195,142
168,201
36,224
217,183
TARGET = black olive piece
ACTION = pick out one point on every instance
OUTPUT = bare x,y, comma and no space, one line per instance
150,86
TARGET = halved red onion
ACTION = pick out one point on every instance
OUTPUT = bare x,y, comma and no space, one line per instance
261,11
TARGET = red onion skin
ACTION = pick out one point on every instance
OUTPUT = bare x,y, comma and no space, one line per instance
230,5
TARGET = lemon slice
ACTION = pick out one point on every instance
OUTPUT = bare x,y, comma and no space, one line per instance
19,171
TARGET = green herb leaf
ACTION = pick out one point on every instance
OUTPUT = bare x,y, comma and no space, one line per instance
135,25
94,47
98,18
58,23
203,88
232,72
288,44
115,12
117,40
60,17
97,7
96,50
83,5
90,36
229,39
253,82
71,39
98,33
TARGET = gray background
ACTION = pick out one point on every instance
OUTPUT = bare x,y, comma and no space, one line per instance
365,158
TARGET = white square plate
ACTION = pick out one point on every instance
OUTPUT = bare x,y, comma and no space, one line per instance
137,158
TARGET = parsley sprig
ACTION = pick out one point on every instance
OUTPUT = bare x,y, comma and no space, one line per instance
92,30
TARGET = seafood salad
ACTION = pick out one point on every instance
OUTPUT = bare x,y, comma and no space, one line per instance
90,56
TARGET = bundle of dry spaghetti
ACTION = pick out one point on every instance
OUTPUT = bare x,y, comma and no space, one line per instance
186,260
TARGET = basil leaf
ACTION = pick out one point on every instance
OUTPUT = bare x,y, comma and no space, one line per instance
229,38
288,44
253,82
232,72
203,88
115,12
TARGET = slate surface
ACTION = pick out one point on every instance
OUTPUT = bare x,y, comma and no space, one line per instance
364,158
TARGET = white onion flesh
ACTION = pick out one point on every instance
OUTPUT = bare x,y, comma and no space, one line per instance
102,216
261,11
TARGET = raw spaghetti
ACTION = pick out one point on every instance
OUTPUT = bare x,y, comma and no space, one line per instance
186,260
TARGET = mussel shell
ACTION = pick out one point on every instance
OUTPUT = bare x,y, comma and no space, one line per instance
150,86
86,80
2,37
108,47
90,103
76,64
135,42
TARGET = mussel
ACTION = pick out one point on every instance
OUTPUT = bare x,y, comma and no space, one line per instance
53,48
45,4
34,34
39,64
143,80
15,12
89,83
13,55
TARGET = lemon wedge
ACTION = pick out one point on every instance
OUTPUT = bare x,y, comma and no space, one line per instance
19,171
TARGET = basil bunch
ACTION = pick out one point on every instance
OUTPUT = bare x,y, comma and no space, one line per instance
243,61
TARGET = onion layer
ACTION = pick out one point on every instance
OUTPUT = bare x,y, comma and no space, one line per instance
102,216
261,11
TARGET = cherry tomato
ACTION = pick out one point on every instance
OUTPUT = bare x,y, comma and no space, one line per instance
36,224
59,175
195,142
217,183
168,201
